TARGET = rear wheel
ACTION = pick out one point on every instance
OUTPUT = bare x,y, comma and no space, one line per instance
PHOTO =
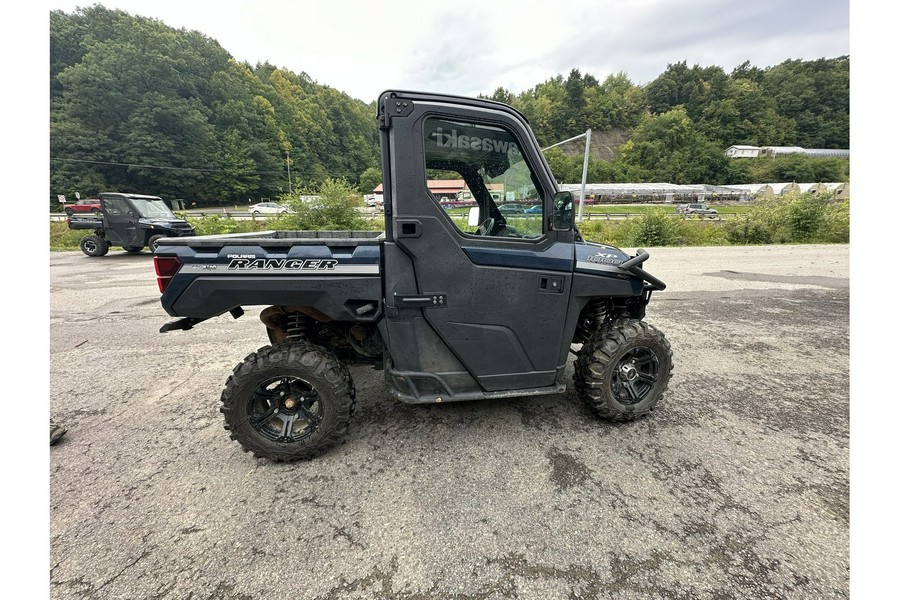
623,370
287,402
94,245
96,212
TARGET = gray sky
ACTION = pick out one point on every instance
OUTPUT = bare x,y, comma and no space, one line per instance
473,46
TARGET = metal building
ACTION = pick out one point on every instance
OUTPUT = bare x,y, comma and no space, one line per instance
742,151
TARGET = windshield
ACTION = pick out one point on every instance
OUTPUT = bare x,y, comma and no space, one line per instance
152,209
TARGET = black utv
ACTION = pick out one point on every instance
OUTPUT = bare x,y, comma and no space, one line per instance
132,221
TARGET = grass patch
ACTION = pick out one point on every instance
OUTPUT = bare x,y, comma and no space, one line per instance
63,238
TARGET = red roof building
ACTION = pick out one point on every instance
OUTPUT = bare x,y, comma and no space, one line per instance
445,190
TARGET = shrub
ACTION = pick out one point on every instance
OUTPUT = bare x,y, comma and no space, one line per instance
603,232
805,217
695,232
746,230
334,209
792,219
63,238
835,228
654,228
216,225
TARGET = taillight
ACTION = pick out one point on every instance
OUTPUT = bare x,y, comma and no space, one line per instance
166,267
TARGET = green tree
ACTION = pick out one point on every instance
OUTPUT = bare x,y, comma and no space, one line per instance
668,147
139,106
235,177
369,180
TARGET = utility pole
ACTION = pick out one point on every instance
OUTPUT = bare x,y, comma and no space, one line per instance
289,169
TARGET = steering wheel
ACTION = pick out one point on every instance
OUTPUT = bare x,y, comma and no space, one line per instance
486,227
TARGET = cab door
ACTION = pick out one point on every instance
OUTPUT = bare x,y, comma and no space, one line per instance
496,294
121,222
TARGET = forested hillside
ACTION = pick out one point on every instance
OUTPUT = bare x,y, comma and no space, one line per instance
137,105
681,123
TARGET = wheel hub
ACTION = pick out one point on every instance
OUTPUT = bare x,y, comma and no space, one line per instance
629,372
285,409
635,375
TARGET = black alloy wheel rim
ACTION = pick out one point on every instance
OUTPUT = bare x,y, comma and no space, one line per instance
285,409
90,246
635,375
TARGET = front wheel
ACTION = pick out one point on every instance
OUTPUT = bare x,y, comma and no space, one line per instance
623,370
287,402
94,245
153,241
69,212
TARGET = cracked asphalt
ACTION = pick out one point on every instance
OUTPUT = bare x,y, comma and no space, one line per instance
737,486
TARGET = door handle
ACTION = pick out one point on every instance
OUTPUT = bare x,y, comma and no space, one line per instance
553,285
421,301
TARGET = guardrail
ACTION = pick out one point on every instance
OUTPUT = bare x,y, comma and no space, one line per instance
587,216
591,216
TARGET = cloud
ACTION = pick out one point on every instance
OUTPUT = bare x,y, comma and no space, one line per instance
456,52
472,46
646,36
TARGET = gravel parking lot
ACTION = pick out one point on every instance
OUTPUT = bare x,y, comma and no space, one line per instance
736,487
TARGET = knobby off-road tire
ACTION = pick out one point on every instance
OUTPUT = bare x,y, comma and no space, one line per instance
290,401
622,371
153,241
94,245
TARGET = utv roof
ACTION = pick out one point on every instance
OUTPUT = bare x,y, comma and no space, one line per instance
463,100
129,195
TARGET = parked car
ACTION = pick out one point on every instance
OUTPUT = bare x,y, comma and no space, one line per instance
700,210
511,209
268,208
537,209
88,205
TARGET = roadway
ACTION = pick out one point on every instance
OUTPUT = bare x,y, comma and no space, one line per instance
736,487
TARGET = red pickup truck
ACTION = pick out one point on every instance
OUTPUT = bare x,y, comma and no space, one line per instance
88,205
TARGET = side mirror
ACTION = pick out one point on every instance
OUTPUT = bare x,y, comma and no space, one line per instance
474,220
563,218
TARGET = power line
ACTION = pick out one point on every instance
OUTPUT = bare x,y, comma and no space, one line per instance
196,169
118,164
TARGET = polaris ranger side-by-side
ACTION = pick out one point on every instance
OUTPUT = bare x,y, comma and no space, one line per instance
131,221
450,312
